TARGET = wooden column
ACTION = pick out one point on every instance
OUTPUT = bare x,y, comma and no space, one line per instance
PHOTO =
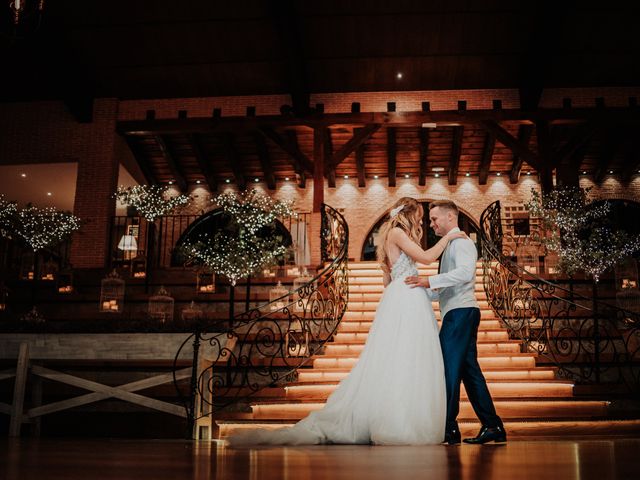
18,391
319,134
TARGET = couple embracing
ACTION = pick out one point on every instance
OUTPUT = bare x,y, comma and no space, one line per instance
405,388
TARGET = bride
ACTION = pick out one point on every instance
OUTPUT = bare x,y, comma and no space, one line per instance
396,392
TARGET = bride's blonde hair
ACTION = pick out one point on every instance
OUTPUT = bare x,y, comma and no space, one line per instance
408,219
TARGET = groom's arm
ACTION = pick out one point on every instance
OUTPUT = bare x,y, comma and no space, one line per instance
466,256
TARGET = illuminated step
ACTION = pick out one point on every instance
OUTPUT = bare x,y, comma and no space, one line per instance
361,337
338,374
524,389
493,347
507,409
377,273
363,324
522,360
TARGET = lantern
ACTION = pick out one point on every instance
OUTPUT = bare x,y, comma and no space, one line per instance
139,267
64,282
161,306
627,288
4,297
191,314
112,293
49,271
205,281
27,266
278,297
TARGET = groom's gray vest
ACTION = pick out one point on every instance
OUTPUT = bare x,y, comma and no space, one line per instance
456,279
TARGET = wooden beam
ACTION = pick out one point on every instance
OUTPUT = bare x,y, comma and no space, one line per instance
456,150
234,160
423,134
17,406
416,118
580,137
391,155
512,143
524,136
328,164
203,161
300,160
545,155
319,143
174,168
362,177
287,27
301,174
360,136
487,155
265,160
144,165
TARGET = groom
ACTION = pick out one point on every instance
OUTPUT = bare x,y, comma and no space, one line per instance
455,286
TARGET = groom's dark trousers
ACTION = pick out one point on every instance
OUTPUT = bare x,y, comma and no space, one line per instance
458,339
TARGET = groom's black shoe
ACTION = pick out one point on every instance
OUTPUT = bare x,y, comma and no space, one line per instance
452,437
488,434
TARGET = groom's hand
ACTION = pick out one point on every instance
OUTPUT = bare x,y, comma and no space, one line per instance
416,281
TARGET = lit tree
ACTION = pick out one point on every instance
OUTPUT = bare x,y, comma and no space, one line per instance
578,231
249,240
45,227
8,211
150,201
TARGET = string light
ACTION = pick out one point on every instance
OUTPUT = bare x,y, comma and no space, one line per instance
250,240
45,227
8,212
578,231
150,201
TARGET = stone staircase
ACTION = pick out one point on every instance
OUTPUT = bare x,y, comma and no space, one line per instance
530,399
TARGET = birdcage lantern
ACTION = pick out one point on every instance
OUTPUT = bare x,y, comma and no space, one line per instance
4,297
302,294
552,264
139,267
192,314
278,297
205,281
27,266
161,306
49,271
627,286
269,272
112,293
64,281
296,340
528,258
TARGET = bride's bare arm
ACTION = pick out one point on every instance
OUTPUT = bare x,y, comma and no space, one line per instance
386,275
408,246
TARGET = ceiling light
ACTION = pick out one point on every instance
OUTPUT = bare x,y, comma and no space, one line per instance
498,174
437,175
256,179
170,182
375,176
399,75
228,181
528,173
346,176
48,194
584,172
23,175
467,174
406,175
286,179
198,182
437,169
610,171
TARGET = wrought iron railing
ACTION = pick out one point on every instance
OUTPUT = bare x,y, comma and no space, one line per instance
272,341
589,341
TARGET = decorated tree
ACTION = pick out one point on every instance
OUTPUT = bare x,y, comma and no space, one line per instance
45,227
249,240
579,231
8,212
150,201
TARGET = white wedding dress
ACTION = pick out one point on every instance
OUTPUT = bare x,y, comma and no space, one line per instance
395,395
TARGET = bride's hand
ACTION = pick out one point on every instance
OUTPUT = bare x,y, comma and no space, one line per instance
453,236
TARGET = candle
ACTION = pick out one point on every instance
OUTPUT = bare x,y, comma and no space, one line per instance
114,307
105,305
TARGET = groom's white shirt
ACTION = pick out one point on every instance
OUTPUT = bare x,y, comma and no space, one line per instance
455,283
